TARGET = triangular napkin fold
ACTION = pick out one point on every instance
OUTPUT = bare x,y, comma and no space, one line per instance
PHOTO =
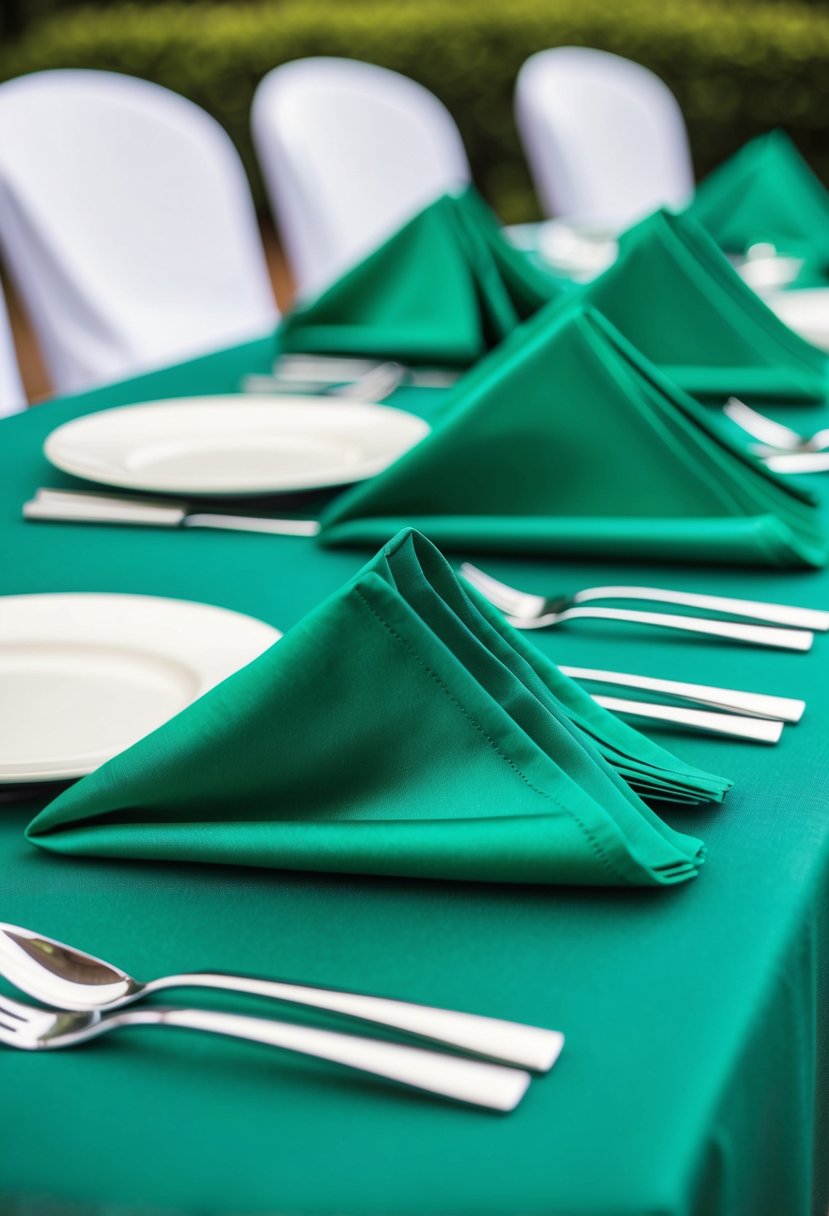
677,298
445,288
566,440
766,192
398,729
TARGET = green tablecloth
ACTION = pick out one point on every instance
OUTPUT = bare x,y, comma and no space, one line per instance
694,1076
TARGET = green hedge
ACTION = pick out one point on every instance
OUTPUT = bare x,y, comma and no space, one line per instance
737,70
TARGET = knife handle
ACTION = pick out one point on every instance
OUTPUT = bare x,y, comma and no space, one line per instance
759,730
248,523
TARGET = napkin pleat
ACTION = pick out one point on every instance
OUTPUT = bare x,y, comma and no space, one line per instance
511,275
742,479
476,625
444,288
567,440
766,193
677,298
411,298
395,730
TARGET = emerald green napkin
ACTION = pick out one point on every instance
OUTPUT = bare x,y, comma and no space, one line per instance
567,440
400,728
766,192
675,295
444,289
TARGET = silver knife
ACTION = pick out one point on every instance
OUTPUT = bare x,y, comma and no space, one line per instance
78,506
708,696
759,730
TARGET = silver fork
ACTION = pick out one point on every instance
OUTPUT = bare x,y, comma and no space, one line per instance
773,435
372,387
475,1082
527,611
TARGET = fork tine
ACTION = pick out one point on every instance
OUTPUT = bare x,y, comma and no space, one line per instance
11,1024
14,1010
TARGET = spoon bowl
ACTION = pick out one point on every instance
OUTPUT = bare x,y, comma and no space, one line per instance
60,975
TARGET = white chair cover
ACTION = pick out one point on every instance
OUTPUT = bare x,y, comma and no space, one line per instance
127,224
349,152
12,396
604,137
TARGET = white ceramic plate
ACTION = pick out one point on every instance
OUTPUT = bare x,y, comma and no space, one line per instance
84,676
241,444
806,311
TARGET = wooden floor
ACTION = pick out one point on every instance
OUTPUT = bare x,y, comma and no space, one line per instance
35,377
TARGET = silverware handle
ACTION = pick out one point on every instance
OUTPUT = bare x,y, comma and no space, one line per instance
735,631
757,610
283,387
510,1042
798,462
767,452
337,369
248,523
331,369
98,511
732,700
372,386
473,1081
759,426
759,730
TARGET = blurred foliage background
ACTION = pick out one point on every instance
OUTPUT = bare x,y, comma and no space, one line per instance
737,69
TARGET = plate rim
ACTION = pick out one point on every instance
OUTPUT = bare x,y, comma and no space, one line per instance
365,470
45,772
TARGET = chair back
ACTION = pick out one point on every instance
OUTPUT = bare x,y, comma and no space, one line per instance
604,137
349,152
12,396
127,224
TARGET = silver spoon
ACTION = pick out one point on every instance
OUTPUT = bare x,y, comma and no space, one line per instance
66,978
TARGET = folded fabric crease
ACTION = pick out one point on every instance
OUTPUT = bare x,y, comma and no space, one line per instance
444,746
567,440
766,193
674,294
445,288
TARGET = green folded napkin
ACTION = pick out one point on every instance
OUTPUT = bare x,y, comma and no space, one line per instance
766,193
444,289
400,728
675,295
567,440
